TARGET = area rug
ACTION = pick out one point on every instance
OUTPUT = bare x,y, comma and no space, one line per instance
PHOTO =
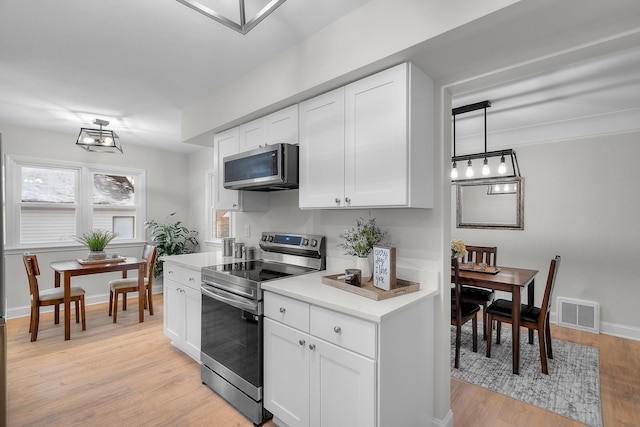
572,388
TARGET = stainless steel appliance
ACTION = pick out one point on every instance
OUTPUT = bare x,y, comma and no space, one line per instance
270,168
232,316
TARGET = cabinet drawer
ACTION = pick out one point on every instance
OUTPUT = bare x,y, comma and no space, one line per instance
343,330
182,275
286,310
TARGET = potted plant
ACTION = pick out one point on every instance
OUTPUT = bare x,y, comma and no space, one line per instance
360,240
171,238
96,240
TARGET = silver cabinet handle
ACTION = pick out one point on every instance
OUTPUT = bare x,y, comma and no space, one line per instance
337,201
191,279
170,271
282,310
337,329
347,199
312,346
302,342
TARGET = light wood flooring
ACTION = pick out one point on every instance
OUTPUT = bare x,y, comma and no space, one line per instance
128,374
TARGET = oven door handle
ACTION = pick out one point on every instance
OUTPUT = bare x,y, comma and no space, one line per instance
227,298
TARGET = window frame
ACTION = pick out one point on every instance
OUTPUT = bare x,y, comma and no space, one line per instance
84,205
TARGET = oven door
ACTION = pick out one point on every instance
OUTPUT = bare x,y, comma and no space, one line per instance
232,339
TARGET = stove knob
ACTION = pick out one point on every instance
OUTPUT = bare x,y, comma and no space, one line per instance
264,237
305,242
314,243
270,239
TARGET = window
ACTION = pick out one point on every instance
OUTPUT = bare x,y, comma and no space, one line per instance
49,202
218,222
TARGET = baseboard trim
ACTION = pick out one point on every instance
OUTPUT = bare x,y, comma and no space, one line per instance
607,328
447,422
24,311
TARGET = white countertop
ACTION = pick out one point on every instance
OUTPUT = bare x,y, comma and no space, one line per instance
309,288
198,260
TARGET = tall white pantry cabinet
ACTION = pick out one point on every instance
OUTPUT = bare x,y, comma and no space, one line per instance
369,143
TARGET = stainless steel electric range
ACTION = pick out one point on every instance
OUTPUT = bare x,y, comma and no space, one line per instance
232,316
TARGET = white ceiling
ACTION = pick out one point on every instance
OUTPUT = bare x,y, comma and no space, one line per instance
135,63
139,63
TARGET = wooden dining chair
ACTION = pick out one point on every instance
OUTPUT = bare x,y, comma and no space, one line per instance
125,285
474,295
461,313
531,317
45,297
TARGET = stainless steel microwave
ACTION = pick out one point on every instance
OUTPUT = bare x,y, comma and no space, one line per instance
270,168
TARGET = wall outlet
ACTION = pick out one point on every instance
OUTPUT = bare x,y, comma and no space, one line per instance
247,230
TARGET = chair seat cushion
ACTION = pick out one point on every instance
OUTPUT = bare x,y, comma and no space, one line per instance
58,293
468,309
477,294
502,307
129,282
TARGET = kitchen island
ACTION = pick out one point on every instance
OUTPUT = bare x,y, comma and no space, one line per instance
334,358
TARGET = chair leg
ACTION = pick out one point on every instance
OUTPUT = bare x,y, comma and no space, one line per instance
35,324
547,337
115,306
530,336
489,331
474,325
110,302
56,315
149,297
458,342
31,318
77,311
124,301
543,352
484,320
498,329
83,314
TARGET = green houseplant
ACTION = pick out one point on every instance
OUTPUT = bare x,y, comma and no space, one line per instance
360,240
96,240
171,238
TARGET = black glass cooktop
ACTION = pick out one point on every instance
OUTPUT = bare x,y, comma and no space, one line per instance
257,271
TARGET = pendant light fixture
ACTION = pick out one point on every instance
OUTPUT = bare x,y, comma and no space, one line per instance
99,140
243,27
503,170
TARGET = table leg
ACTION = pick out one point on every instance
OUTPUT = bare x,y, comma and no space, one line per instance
141,291
530,301
67,306
56,309
515,327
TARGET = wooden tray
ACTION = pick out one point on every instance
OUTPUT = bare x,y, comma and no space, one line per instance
368,290
488,269
101,261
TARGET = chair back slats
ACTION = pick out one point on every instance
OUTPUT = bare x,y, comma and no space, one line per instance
548,290
31,266
150,253
482,254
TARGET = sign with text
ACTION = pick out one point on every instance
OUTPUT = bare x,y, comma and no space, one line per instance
384,267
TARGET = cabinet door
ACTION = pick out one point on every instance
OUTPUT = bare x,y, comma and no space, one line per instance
376,139
342,387
252,135
286,373
282,126
193,313
322,165
225,144
173,311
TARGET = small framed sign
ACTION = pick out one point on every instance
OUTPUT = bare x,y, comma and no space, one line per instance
384,267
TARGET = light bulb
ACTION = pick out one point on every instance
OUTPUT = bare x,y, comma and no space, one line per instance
485,167
469,172
496,188
454,171
503,168
506,188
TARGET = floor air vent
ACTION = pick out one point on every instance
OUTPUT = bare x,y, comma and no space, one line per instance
577,314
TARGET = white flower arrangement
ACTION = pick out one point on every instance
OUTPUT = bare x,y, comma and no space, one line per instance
458,248
359,241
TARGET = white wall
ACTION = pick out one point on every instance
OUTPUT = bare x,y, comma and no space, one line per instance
167,192
581,203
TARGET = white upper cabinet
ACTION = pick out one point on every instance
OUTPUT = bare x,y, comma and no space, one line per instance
370,143
225,144
281,126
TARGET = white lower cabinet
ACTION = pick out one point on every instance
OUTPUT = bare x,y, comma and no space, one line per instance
310,381
182,308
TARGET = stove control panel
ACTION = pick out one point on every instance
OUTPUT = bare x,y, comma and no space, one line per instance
292,243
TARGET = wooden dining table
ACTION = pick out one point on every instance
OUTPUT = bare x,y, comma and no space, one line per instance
70,268
507,279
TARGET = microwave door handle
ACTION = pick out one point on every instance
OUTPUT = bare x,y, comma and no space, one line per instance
249,306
